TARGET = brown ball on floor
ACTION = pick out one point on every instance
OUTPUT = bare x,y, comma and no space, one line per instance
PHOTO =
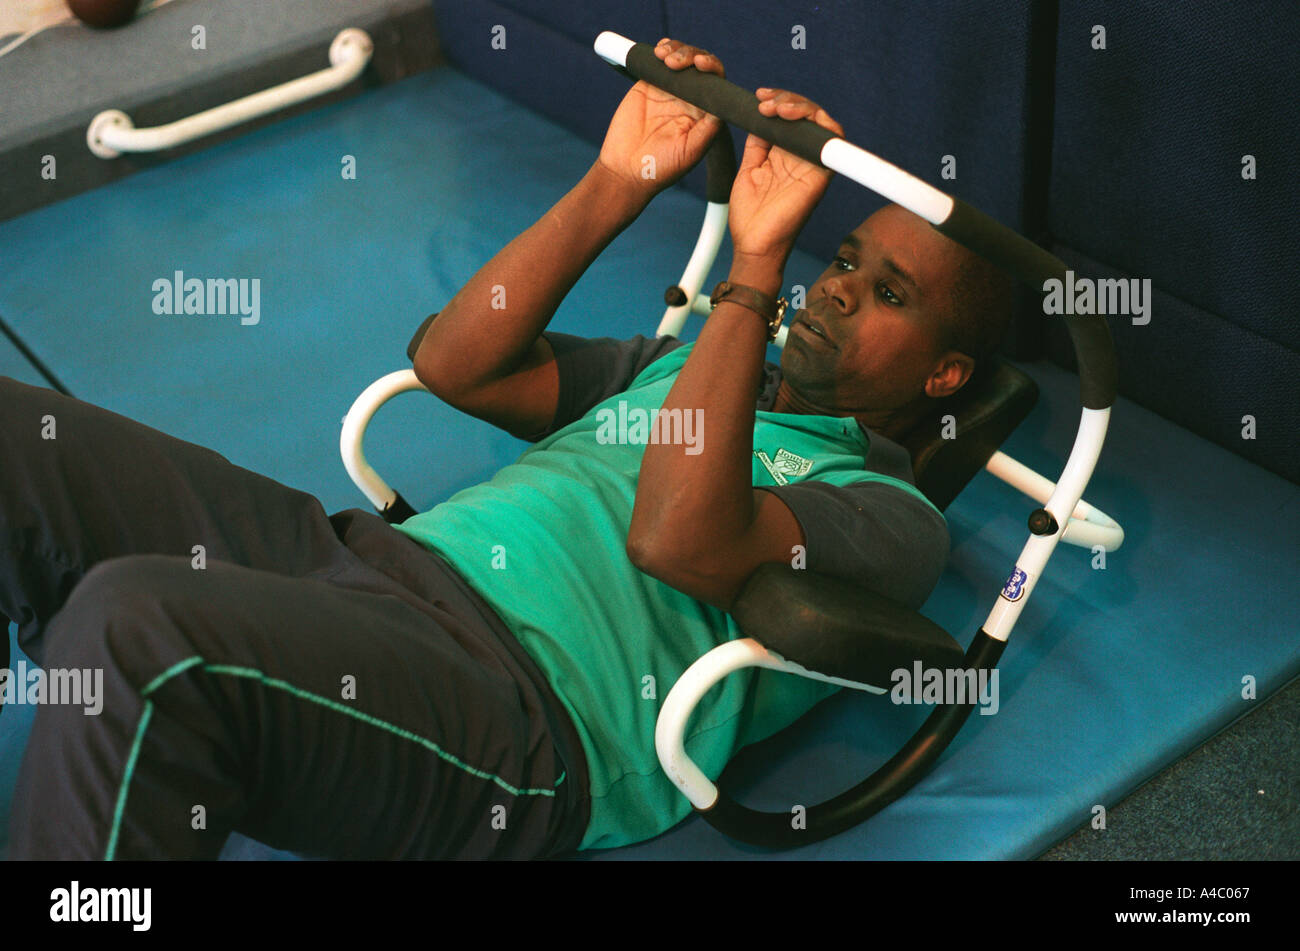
104,13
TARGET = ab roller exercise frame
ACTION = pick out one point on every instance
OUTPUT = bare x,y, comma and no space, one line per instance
848,622
1063,507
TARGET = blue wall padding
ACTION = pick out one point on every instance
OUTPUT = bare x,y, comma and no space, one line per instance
1204,372
1147,180
911,82
1111,675
1145,142
545,65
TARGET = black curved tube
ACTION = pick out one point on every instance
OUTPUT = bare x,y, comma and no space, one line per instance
1010,250
399,510
775,830
1016,254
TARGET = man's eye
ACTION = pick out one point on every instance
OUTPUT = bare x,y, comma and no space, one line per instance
845,262
889,296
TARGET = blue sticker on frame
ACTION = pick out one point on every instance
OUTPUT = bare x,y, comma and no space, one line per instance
1014,589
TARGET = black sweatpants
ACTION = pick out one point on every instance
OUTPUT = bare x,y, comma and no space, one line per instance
321,684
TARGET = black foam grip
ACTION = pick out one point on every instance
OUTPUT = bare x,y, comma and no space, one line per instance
721,165
1017,255
729,102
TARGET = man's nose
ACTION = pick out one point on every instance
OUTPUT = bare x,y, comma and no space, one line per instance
838,295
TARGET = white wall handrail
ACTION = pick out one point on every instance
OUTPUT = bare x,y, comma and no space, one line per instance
112,132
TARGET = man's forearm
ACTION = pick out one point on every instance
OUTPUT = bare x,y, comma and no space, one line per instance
685,503
489,326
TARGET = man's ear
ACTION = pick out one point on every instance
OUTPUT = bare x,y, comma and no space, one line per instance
950,374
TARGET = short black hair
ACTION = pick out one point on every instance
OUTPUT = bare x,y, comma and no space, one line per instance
980,308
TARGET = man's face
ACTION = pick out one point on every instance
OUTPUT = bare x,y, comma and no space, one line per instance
881,305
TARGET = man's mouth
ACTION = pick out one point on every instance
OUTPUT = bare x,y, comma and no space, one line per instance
810,327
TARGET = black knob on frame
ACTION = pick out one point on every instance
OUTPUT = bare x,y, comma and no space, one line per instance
1041,522
674,296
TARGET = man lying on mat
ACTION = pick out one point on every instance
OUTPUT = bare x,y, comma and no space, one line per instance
483,680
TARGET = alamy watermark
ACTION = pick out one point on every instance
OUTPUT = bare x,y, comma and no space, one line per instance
217,295
78,903
637,426
1104,297
22,685
951,685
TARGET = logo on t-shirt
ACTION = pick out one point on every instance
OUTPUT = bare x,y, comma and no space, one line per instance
785,466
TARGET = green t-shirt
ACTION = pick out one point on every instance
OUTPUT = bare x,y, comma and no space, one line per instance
544,543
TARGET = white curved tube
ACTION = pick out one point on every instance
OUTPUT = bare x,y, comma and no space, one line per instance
697,268
692,685
1088,525
354,431
112,132
884,178
613,48
1061,503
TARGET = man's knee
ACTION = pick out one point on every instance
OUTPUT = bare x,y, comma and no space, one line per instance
126,612
16,398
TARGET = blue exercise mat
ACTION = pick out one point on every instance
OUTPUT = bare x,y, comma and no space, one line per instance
13,363
1111,675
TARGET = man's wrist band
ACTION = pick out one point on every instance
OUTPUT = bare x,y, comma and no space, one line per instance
771,310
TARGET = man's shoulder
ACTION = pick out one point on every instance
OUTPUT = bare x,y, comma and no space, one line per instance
592,369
